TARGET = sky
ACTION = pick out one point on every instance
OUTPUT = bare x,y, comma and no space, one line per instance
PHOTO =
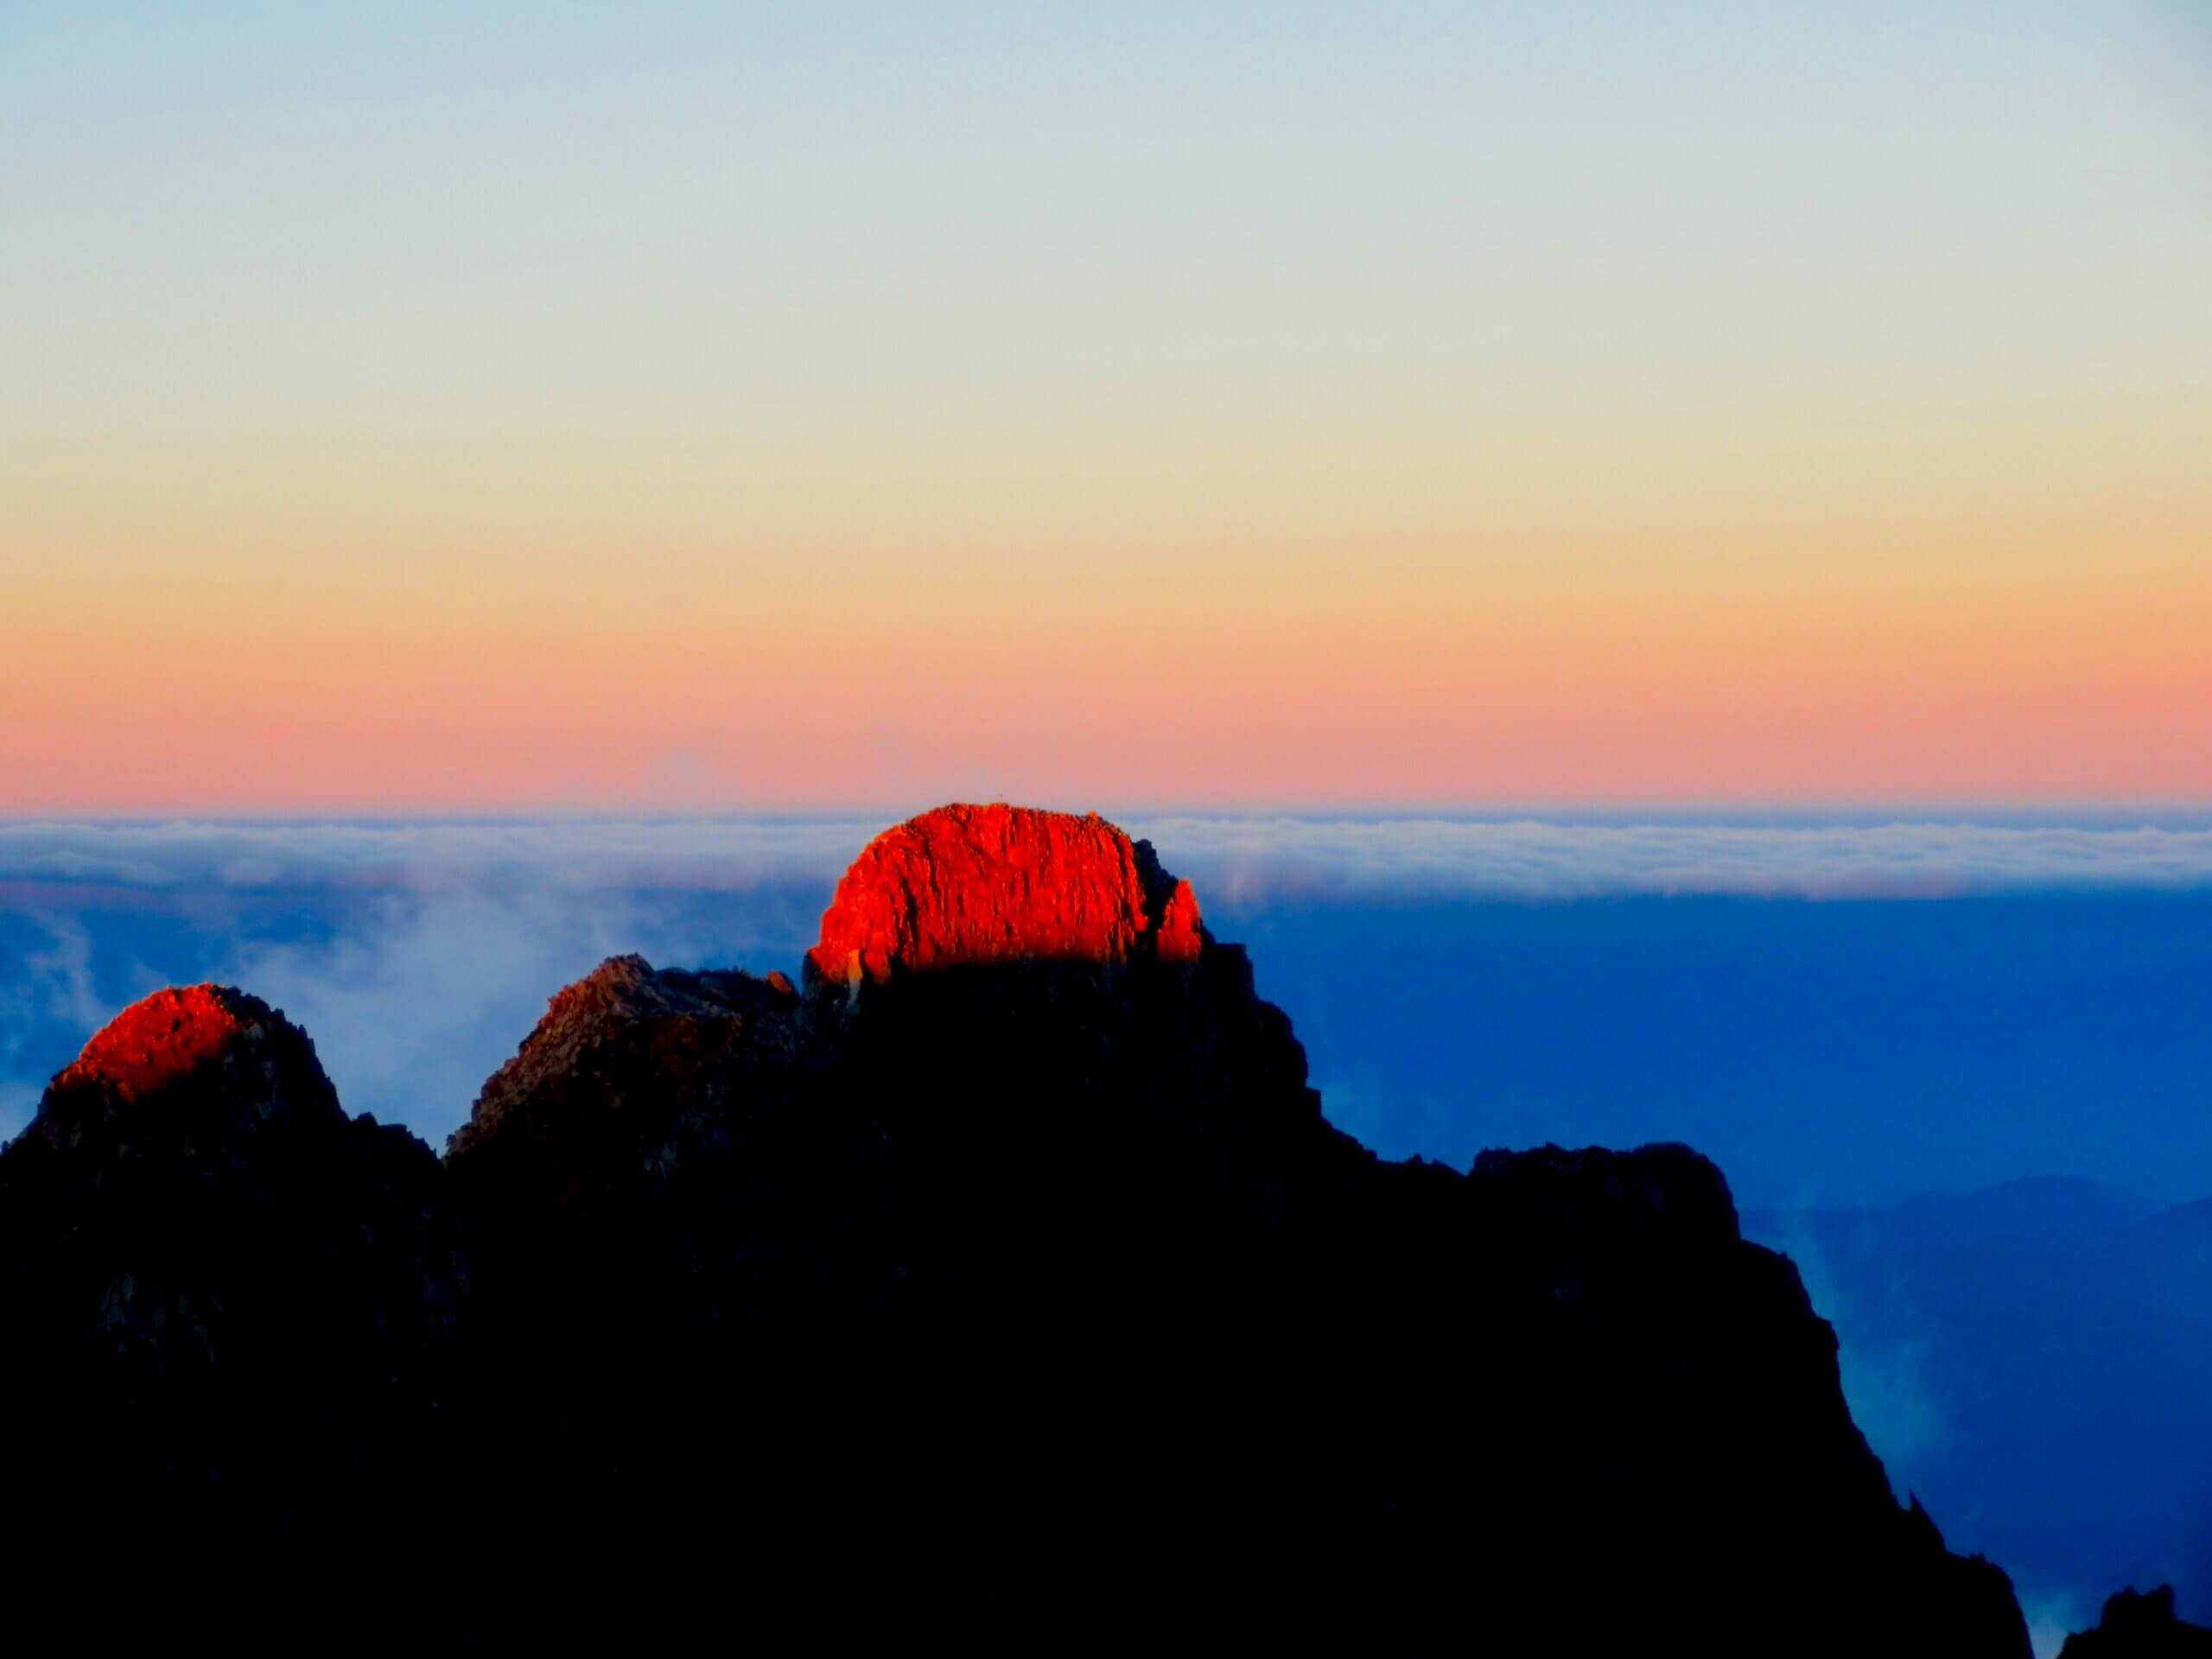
422,408
1653,561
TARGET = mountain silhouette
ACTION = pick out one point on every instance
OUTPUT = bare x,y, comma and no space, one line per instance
1001,1283
2140,1626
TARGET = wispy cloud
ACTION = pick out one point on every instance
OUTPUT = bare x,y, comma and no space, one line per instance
419,997
2052,1618
1286,857
1884,1373
1238,858
416,957
18,1099
49,983
700,854
61,975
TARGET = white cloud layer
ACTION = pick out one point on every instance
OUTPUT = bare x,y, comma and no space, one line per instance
700,854
1286,857
418,956
1239,858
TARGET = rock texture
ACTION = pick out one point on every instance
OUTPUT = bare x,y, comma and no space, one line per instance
2140,1626
1013,1291
969,885
161,1039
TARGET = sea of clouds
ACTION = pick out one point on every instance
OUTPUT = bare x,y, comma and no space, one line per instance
418,954
1240,858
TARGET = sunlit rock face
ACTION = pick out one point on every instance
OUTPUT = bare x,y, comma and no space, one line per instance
969,886
160,1039
197,1056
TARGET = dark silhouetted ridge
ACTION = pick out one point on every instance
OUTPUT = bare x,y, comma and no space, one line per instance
229,1310
2140,1626
1008,1288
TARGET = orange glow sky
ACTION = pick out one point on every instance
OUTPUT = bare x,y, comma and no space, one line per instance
401,415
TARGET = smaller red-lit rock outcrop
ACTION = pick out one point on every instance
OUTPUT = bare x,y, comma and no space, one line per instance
161,1039
227,1309
229,1054
628,1028
965,886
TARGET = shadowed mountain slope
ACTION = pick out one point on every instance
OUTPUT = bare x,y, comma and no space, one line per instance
230,1311
1008,1285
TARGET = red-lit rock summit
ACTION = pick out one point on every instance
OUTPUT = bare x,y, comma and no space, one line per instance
201,1053
161,1039
964,886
